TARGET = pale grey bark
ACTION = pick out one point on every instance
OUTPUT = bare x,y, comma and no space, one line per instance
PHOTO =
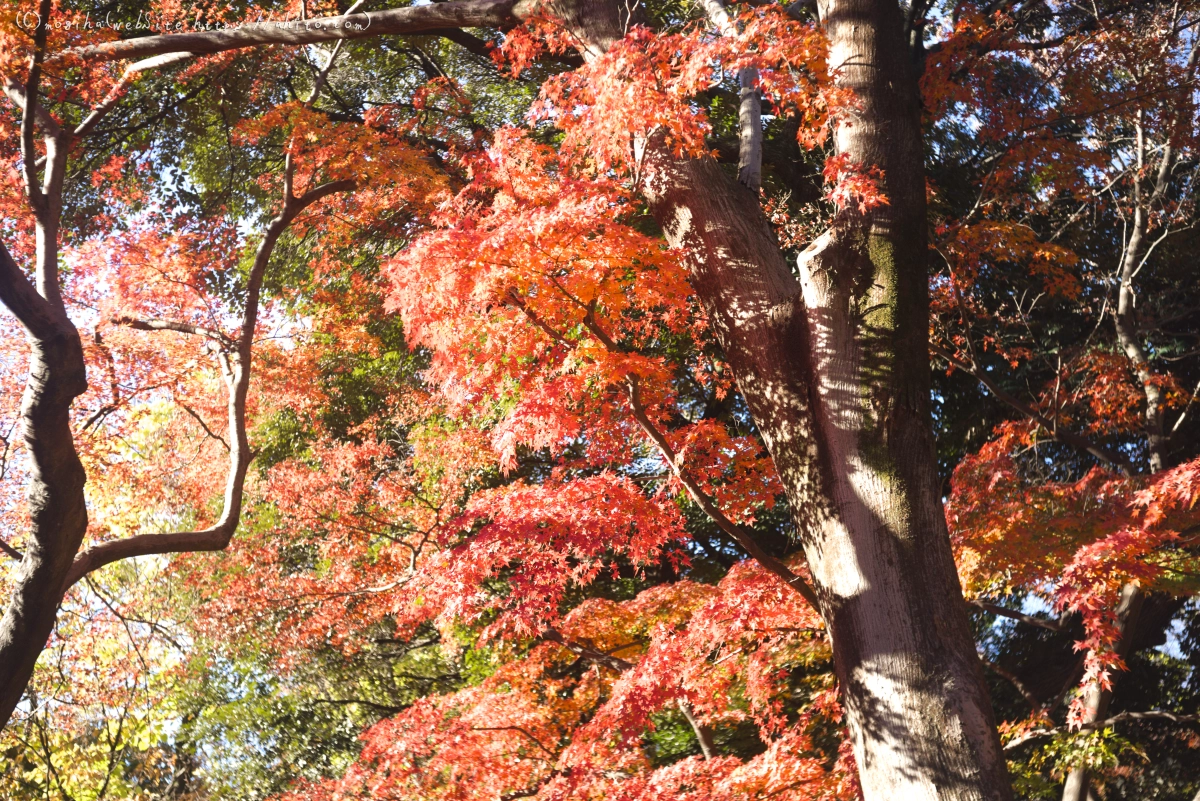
750,133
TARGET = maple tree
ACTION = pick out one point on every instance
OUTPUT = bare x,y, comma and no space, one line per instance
621,387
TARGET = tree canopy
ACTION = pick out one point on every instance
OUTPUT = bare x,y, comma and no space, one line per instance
572,399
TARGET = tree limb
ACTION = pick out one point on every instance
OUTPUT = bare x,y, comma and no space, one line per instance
1072,439
1169,717
1052,625
236,366
591,654
709,507
410,19
173,325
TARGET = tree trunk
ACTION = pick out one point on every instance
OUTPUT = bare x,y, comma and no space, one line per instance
56,501
835,370
1078,784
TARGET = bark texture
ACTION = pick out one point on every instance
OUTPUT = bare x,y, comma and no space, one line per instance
835,369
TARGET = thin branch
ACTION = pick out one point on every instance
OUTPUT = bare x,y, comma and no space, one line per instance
1169,717
410,19
1105,455
1052,625
1015,681
196,416
701,498
591,654
519,730
173,325
118,91
359,702
709,506
701,731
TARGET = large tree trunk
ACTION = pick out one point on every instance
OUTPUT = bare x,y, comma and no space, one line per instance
835,369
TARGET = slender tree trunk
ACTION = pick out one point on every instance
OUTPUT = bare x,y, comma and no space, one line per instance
1078,784
835,369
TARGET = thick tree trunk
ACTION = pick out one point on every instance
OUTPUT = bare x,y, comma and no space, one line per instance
835,369
912,683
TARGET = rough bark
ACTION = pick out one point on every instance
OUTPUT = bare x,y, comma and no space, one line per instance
57,511
835,370
913,687
58,515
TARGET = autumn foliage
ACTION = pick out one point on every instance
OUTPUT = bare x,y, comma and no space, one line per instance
498,448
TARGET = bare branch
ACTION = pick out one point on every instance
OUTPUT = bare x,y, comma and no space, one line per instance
750,134
117,92
706,503
410,19
1169,717
196,416
173,325
702,733
1015,681
590,654
1052,625
1076,441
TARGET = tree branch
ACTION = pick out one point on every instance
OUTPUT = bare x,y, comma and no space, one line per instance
1052,625
19,296
1076,441
750,134
196,416
1169,717
709,507
702,733
236,367
410,19
172,325
1015,681
701,498
591,654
